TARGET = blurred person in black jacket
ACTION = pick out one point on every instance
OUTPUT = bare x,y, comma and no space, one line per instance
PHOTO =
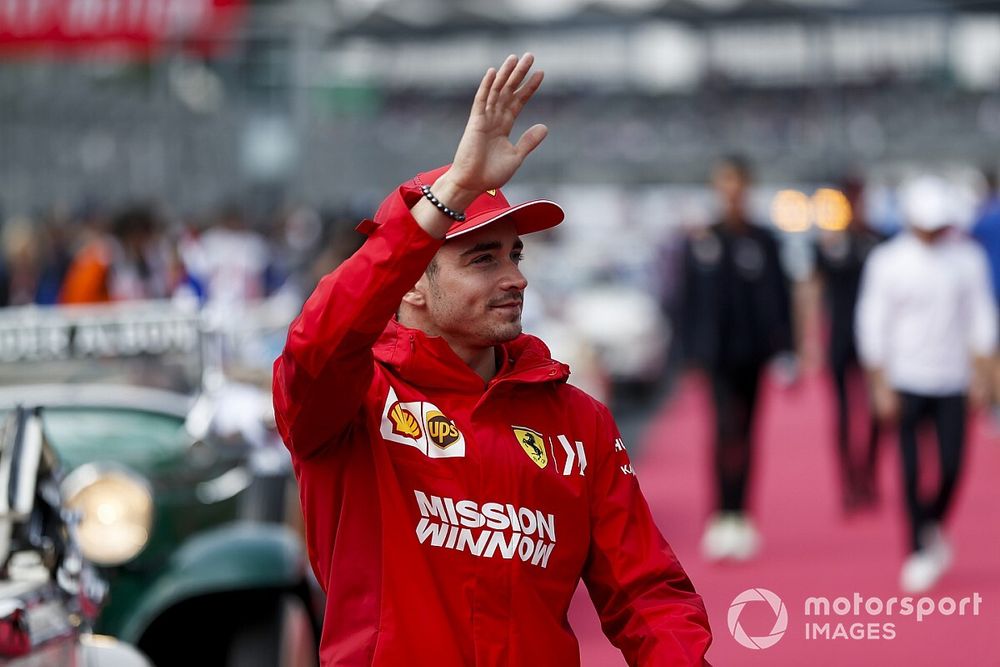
735,315
839,259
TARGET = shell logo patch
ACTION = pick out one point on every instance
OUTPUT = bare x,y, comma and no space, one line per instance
492,193
421,425
403,422
533,444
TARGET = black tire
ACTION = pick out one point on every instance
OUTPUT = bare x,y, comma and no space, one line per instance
280,635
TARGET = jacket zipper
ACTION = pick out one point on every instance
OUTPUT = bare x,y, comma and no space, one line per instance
554,365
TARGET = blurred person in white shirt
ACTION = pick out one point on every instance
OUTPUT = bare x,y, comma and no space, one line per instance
926,327
231,261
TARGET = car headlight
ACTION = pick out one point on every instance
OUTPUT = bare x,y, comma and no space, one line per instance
116,511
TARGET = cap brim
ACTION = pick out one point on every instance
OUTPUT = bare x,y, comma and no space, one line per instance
930,225
529,217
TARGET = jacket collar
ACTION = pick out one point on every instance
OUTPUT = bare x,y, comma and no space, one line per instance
428,361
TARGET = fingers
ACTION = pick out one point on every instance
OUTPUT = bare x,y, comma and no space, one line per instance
522,96
479,104
503,86
501,79
520,71
530,139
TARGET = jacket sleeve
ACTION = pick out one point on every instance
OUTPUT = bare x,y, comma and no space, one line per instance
647,605
782,337
873,312
684,313
327,365
982,331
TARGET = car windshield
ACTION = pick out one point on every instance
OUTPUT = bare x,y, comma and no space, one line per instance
136,344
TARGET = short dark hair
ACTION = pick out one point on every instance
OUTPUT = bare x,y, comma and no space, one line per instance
432,268
738,163
136,220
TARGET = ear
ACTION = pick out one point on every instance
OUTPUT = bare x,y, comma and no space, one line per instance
417,296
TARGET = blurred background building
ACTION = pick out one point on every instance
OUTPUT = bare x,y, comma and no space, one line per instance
312,100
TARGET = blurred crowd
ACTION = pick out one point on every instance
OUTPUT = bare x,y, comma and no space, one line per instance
223,259
909,323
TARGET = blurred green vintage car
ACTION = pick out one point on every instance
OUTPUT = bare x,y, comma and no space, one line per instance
187,503
49,595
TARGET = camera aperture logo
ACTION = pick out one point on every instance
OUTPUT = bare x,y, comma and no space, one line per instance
858,617
780,618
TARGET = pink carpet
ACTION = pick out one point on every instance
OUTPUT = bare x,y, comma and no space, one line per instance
809,548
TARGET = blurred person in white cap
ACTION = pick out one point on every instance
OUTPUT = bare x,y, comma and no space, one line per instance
926,327
455,489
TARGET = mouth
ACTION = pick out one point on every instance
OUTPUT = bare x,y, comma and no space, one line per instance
508,306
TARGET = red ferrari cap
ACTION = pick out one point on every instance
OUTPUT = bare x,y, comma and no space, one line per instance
492,205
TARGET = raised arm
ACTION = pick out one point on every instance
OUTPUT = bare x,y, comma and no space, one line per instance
327,365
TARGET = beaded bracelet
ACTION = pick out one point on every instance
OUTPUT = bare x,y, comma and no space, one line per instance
454,215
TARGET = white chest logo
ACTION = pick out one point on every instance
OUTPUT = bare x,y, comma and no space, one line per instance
421,425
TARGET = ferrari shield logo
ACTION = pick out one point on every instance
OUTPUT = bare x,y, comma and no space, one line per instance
533,444
492,192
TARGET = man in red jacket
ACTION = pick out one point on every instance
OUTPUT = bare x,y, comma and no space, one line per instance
455,488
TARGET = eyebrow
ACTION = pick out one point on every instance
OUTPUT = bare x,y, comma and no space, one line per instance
491,245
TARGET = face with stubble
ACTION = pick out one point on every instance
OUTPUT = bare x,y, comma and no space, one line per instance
473,290
730,183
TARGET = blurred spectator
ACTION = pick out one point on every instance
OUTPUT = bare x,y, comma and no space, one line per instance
986,230
839,258
925,309
131,262
339,241
734,317
190,287
230,260
19,263
56,247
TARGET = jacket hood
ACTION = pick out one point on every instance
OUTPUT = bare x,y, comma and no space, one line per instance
429,361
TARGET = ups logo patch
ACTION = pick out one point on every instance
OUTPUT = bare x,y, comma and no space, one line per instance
441,430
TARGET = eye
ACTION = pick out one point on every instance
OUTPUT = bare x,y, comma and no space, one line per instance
483,259
517,257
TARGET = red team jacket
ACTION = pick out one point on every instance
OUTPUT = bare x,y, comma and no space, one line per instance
448,519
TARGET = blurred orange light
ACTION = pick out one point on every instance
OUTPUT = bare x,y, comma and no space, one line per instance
833,211
791,211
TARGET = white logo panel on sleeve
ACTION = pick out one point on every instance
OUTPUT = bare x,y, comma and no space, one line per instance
421,425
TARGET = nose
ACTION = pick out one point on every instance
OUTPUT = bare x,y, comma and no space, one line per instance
513,279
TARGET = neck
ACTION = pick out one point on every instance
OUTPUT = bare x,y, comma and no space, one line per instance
481,360
734,219
928,238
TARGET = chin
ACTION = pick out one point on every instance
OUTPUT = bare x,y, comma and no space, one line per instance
504,334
